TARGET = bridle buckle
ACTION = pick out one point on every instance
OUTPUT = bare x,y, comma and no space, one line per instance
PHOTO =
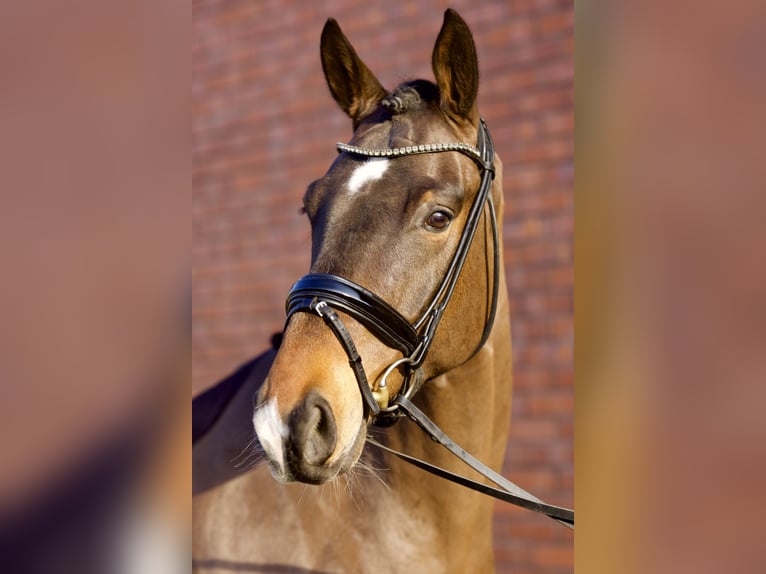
317,307
382,394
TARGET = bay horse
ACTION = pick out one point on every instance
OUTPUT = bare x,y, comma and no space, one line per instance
398,305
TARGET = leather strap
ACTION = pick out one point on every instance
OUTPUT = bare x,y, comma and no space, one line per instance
330,317
510,492
490,322
384,321
432,315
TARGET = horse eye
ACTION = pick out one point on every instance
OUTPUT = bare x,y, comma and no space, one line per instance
438,220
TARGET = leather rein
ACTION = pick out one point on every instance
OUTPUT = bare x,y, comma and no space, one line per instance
325,294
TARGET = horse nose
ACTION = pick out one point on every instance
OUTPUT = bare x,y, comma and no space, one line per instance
312,436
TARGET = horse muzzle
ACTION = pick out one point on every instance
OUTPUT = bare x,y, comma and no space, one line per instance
304,447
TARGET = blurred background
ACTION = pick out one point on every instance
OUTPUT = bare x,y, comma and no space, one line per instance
94,297
264,126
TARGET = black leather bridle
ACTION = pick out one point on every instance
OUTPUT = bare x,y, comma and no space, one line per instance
325,294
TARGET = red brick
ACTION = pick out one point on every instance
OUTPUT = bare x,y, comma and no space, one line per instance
554,555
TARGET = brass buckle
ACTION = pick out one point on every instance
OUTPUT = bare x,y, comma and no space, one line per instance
382,394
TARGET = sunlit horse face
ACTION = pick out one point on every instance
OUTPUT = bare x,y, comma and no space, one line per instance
390,225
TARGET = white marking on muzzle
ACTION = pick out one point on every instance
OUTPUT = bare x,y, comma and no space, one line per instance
371,170
271,432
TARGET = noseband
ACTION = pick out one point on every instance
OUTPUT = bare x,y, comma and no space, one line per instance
324,294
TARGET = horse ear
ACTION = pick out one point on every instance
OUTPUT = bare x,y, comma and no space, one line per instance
456,68
351,83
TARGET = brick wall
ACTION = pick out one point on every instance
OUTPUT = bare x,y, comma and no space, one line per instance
263,127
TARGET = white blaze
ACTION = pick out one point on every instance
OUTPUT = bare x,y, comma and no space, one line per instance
371,170
270,431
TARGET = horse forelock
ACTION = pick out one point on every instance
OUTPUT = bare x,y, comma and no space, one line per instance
411,95
411,114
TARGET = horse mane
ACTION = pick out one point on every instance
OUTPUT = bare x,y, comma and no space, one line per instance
411,95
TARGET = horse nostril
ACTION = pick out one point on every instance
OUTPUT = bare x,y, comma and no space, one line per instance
312,430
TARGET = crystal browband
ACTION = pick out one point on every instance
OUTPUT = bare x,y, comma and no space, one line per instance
467,149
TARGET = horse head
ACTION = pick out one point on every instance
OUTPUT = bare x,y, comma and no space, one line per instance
387,217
